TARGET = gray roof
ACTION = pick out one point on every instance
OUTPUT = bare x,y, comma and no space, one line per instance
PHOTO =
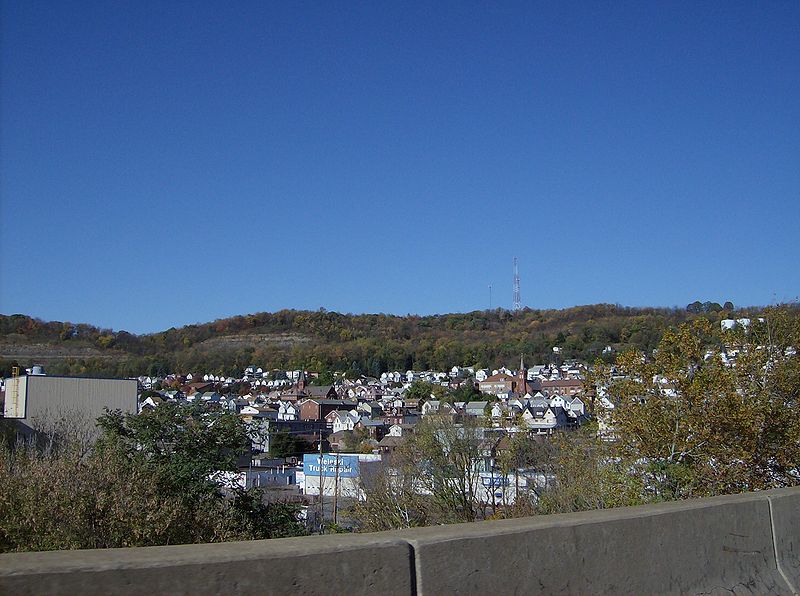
473,405
368,422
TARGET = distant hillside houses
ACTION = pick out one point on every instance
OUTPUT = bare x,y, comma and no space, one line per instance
538,400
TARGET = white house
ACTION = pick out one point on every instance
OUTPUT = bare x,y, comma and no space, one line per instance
343,420
456,372
482,375
287,411
499,410
543,421
430,407
577,406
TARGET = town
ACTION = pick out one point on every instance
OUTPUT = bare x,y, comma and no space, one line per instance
291,420
311,441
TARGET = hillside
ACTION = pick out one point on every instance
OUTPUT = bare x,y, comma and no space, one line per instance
321,340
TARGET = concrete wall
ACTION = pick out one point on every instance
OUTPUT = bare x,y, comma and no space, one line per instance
737,544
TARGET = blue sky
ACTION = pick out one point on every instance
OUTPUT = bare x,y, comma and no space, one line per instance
165,163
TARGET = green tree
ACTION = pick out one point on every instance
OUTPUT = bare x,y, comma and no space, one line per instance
421,390
284,444
189,442
695,307
466,392
392,499
582,473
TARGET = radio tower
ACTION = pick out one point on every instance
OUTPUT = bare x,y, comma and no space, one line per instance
517,300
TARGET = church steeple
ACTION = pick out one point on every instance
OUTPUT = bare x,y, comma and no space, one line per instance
522,377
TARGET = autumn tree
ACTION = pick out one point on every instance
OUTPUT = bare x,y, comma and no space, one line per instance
392,499
433,477
713,413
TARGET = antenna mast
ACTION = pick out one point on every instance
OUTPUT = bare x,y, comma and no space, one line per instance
517,300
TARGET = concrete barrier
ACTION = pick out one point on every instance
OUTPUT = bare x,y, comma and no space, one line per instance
357,564
720,545
785,517
735,544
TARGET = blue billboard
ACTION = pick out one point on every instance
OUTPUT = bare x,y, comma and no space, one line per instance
345,465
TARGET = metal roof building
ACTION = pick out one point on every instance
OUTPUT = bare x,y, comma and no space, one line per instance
38,401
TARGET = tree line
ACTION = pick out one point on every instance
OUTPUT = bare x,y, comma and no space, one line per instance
368,344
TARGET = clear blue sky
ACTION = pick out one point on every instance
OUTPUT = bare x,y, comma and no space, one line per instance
165,163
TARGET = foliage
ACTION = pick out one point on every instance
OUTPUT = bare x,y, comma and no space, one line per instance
449,456
146,481
692,425
358,441
189,442
711,412
284,444
356,344
466,393
585,475
422,390
432,478
698,307
392,499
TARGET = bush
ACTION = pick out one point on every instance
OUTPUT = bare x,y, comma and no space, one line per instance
138,485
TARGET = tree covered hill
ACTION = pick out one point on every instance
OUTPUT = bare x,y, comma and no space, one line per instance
322,340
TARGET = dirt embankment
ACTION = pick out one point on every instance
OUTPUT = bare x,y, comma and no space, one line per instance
44,352
233,342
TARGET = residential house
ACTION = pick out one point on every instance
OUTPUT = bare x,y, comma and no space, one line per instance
371,409
338,439
499,384
318,409
401,418
341,420
544,420
151,402
577,406
476,408
375,428
430,407
287,410
389,444
564,387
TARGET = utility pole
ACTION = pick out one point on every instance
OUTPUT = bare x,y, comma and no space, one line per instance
321,483
336,490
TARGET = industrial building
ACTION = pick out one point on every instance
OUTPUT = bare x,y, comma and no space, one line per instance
37,401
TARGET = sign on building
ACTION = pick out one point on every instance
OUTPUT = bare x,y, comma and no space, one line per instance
343,466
